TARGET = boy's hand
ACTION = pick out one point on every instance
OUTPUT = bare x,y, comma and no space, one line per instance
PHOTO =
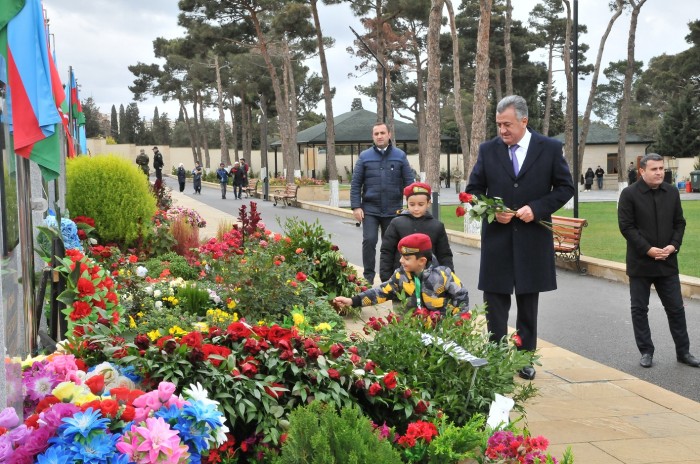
342,301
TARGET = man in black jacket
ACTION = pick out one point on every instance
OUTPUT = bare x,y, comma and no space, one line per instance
651,219
158,163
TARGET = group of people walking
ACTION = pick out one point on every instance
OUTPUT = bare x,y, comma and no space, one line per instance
239,178
529,172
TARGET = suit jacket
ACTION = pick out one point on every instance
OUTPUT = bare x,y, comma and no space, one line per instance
650,218
520,256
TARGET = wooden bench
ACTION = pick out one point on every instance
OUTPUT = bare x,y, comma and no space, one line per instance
567,239
251,191
288,196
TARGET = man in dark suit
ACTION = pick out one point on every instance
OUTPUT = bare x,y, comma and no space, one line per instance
651,219
528,171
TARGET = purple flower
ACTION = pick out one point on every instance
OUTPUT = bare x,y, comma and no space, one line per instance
5,448
8,418
40,385
52,417
38,440
19,434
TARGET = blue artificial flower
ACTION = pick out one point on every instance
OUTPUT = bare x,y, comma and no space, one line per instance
169,414
82,423
194,435
98,448
55,455
206,413
130,373
69,232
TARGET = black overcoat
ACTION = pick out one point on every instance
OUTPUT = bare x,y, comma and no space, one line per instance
520,255
648,219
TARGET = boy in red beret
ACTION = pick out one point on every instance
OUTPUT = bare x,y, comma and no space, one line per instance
434,288
415,219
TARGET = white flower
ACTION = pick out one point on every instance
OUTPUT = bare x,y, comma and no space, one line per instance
157,294
159,305
148,290
198,393
221,432
141,271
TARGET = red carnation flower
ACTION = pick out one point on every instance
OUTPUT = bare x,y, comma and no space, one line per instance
85,287
390,380
301,277
333,374
374,389
336,350
81,309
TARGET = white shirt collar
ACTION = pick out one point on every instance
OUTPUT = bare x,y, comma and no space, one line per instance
523,144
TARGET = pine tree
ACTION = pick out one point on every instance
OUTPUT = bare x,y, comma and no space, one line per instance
122,125
679,134
114,124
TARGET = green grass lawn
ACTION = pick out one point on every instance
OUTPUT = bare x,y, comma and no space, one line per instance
602,238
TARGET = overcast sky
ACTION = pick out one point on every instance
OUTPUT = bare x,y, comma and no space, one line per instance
100,38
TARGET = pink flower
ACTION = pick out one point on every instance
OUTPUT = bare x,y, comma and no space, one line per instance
156,442
165,391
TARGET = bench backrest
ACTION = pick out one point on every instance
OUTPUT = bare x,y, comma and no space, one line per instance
567,231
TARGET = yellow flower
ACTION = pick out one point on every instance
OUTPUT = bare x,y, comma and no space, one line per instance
177,331
154,335
121,272
132,323
84,397
235,317
298,318
201,326
65,391
322,327
139,314
261,322
231,304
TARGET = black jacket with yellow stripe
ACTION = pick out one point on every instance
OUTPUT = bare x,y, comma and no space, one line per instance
441,290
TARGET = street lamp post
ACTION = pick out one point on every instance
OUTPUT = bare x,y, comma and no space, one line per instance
575,108
383,73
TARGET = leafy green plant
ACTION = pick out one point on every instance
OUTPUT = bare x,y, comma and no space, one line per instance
399,345
319,435
175,263
193,299
112,191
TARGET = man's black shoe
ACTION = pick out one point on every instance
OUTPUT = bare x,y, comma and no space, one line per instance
645,361
689,359
527,373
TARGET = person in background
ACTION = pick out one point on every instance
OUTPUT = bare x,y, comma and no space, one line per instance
631,174
379,177
158,163
181,177
428,287
222,175
415,219
589,176
529,172
142,160
197,178
238,178
599,173
651,219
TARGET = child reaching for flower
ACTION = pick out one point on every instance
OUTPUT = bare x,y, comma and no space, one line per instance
434,288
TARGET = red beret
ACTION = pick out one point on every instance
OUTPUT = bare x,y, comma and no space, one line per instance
414,243
416,188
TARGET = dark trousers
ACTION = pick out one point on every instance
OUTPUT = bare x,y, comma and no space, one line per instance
497,308
669,290
159,173
223,189
238,191
600,182
370,235
182,186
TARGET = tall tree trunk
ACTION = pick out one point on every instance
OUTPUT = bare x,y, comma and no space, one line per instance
420,116
248,150
497,85
548,91
263,132
203,132
481,84
570,110
291,161
197,137
457,85
432,120
508,50
234,128
222,119
195,157
281,105
245,130
586,122
627,93
331,165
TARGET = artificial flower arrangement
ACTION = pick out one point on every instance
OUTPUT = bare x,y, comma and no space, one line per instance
98,416
192,217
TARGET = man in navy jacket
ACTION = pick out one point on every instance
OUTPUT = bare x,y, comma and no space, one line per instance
376,192
517,253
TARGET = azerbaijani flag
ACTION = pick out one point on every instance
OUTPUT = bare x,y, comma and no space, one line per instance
77,115
33,96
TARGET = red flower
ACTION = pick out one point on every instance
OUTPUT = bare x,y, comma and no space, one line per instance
422,406
238,330
128,413
374,389
301,277
133,258
517,341
249,369
465,197
333,374
390,380
460,211
275,390
369,366
192,339
109,407
209,350
407,393
96,384
80,310
336,350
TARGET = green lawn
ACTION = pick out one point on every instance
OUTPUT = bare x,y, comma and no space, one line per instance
602,238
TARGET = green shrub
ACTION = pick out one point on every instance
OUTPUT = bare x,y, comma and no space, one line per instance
177,264
113,191
318,435
193,299
398,345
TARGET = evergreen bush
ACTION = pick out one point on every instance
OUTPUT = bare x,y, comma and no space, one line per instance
177,264
318,435
113,191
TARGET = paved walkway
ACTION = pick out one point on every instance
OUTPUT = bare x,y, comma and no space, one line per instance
605,415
